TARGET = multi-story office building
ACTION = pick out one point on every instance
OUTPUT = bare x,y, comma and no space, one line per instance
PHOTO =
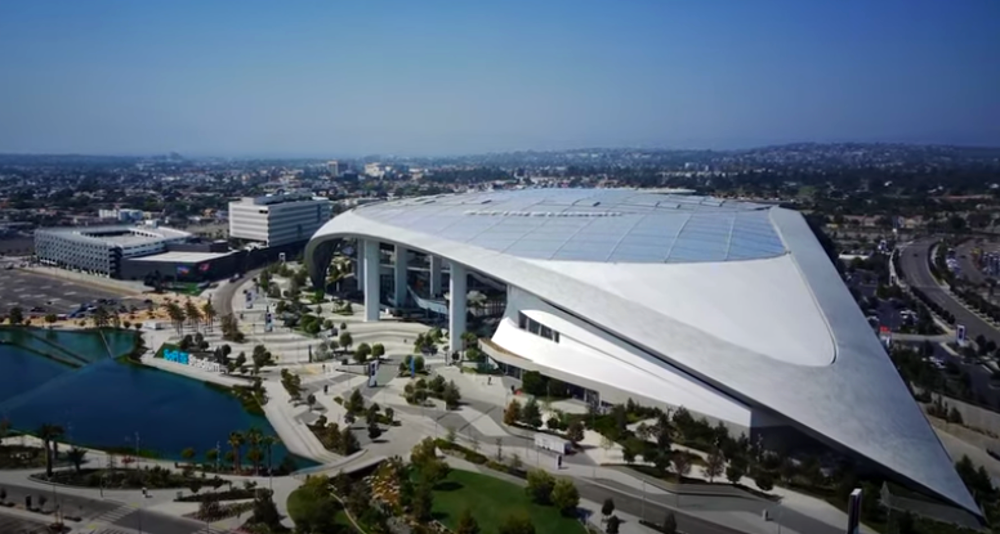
277,220
100,249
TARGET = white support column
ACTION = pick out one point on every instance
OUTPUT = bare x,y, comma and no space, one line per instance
457,307
435,285
399,272
359,267
372,281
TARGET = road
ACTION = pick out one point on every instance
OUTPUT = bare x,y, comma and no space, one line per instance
913,262
102,515
222,298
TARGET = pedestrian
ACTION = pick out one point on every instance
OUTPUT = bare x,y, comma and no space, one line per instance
559,461
489,380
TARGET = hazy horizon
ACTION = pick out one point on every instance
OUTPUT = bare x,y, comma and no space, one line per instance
302,79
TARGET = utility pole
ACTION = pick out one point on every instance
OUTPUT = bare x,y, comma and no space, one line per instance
137,451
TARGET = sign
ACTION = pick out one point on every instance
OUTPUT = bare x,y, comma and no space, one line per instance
176,356
269,322
960,334
854,512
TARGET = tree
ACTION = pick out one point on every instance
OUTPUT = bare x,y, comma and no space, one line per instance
209,313
714,464
540,485
75,456
373,430
345,339
466,523
49,433
16,315
516,523
669,524
531,415
378,350
355,403
50,318
628,454
608,507
614,524
735,471
311,400
512,414
236,441
575,432
565,497
682,465
451,395
188,454
764,480
192,313
254,436
423,502
211,455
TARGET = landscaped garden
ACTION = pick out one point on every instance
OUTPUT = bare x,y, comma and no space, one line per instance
491,501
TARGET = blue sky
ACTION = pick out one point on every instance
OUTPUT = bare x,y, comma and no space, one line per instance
347,78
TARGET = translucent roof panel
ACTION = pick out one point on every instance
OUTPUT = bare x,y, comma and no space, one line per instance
597,225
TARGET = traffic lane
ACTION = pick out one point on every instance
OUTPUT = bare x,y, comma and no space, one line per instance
917,273
157,523
630,500
68,504
654,512
223,297
19,525
979,377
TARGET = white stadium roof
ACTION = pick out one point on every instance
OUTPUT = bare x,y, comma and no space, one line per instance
740,296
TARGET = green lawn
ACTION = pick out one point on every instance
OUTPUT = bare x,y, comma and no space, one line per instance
492,500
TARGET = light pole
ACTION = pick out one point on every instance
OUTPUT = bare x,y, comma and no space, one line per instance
137,451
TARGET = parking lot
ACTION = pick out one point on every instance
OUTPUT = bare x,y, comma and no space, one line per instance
45,294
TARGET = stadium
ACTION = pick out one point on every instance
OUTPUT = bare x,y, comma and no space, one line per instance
730,309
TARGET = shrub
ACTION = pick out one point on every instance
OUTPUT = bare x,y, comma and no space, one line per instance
540,485
565,497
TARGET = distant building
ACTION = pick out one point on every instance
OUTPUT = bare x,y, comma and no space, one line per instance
280,219
335,167
121,215
375,170
101,249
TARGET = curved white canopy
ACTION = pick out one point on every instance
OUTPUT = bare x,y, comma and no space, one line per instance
751,306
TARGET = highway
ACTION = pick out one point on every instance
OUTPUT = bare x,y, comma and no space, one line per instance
913,262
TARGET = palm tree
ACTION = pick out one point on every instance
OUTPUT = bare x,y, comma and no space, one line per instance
176,315
49,433
268,442
192,313
208,311
254,437
236,441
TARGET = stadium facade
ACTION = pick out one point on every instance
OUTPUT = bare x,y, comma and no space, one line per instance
730,309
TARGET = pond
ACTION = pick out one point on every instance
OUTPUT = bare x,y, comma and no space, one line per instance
108,403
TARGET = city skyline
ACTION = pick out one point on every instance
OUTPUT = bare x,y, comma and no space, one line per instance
440,79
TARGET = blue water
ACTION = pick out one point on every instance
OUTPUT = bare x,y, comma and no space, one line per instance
104,404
